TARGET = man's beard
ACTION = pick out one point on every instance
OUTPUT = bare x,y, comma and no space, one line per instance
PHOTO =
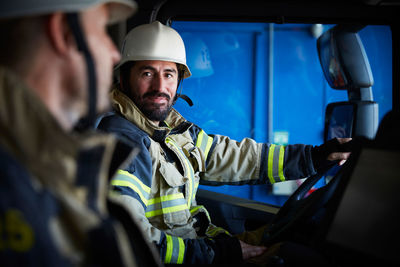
155,112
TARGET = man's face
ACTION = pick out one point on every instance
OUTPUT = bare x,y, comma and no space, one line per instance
153,87
103,50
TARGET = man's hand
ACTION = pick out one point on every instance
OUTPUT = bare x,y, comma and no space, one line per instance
340,155
337,149
249,251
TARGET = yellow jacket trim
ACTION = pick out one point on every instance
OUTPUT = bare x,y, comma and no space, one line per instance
270,163
165,198
204,142
175,250
276,156
166,210
166,204
124,178
281,159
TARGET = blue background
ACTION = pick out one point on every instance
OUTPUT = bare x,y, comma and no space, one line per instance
235,64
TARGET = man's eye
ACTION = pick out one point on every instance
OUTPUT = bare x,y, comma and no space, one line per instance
147,74
168,75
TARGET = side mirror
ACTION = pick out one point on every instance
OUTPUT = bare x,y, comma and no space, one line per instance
343,59
340,119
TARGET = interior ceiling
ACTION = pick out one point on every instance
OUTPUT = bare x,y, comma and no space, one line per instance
152,3
277,11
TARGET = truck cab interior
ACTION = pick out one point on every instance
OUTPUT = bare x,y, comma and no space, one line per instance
351,217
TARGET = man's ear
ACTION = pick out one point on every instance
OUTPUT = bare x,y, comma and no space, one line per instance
59,33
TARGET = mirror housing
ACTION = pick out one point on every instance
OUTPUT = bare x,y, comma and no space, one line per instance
340,119
343,59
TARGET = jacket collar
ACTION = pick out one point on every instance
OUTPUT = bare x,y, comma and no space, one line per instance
126,107
31,134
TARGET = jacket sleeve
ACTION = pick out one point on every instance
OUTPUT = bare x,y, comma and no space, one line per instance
248,162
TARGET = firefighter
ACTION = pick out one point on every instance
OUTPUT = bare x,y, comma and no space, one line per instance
160,184
54,172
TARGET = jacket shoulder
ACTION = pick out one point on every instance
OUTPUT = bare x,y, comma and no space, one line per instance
116,123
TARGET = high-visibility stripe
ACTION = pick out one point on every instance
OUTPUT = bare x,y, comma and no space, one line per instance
181,253
276,156
126,179
175,251
165,198
215,231
166,123
204,142
170,247
196,208
166,210
189,171
166,204
281,159
270,163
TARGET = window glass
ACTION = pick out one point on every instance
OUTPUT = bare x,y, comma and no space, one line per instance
264,81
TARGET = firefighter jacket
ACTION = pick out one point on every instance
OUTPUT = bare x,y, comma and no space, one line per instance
160,184
53,187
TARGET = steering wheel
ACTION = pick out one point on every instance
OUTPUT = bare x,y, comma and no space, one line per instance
299,217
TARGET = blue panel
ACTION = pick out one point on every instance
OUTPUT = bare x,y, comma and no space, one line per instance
222,92
298,79
230,83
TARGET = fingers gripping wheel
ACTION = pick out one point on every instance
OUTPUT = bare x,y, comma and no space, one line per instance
297,218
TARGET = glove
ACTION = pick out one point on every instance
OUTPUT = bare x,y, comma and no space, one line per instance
320,153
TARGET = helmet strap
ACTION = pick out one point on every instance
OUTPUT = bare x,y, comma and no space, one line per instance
180,95
89,120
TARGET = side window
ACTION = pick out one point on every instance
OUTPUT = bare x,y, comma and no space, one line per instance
264,81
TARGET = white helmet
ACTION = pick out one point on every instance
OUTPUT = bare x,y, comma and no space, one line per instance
119,9
154,41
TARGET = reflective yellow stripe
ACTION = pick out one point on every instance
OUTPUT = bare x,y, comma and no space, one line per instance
270,163
166,204
165,198
204,142
195,209
126,179
181,251
166,210
281,158
189,170
208,147
215,231
175,250
126,173
166,123
170,246
200,138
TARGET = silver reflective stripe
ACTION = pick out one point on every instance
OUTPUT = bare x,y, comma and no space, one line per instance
166,204
275,164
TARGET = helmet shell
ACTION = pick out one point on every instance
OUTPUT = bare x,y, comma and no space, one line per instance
154,41
119,9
